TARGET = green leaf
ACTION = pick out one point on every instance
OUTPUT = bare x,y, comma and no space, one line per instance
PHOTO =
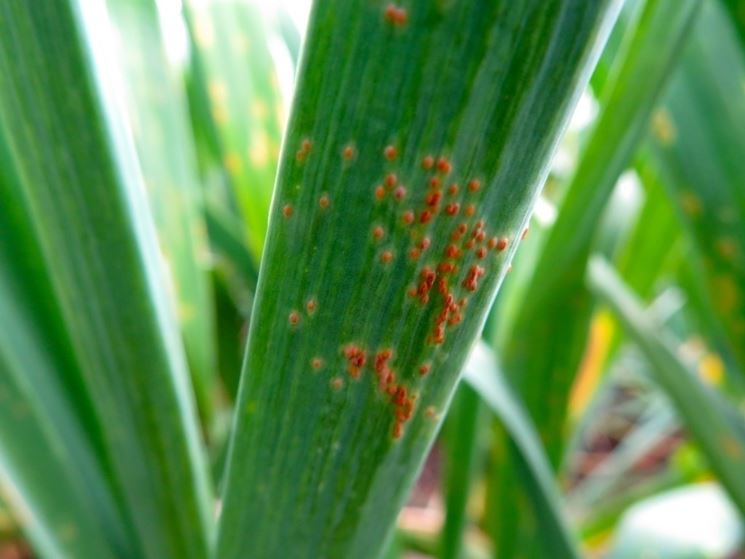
242,109
71,513
642,263
543,340
324,448
158,117
698,138
535,474
461,460
717,430
76,199
556,289
736,10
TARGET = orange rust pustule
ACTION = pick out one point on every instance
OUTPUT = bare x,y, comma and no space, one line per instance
452,251
324,202
459,232
433,199
428,162
427,280
453,189
356,359
424,369
385,375
390,180
446,267
408,217
444,166
400,193
348,152
452,209
293,318
425,216
403,409
474,273
396,15
474,185
302,153
379,192
287,211
390,152
311,306
378,232
502,244
435,183
316,363
386,256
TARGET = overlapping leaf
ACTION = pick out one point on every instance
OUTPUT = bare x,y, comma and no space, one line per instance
77,201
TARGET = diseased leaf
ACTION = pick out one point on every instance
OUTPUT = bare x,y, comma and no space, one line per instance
377,273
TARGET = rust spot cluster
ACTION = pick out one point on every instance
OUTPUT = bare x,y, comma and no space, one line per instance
356,358
461,265
436,209
396,393
399,396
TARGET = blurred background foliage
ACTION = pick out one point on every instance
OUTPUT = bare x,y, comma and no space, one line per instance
603,412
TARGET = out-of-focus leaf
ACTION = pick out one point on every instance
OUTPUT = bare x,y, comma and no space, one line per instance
535,473
330,427
658,424
556,289
461,461
542,346
75,198
736,10
698,139
653,246
71,513
623,33
158,117
717,430
237,104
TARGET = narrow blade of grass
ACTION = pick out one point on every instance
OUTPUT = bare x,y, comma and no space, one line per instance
242,110
535,473
556,289
158,116
461,443
72,513
698,135
718,432
543,345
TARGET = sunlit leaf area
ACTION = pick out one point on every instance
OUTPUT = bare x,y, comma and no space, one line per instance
362,279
